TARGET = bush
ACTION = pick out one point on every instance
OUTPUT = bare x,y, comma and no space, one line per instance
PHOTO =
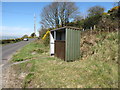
33,35
91,21
47,39
10,40
108,24
25,36
30,37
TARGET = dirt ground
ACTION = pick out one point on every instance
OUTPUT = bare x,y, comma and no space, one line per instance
10,79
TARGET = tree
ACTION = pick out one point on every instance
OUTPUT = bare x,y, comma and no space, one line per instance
110,21
33,35
68,11
25,36
58,14
114,12
77,23
96,10
78,18
91,21
94,16
107,24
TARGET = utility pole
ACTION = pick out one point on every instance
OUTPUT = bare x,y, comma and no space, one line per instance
34,23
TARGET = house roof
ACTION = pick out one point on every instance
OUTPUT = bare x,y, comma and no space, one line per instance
68,27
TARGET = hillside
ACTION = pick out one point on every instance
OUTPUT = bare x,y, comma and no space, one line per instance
97,68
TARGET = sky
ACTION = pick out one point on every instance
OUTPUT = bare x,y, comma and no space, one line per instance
18,17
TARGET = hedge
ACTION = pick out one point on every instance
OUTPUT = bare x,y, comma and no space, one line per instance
10,40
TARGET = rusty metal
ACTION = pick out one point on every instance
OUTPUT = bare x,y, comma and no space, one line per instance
60,49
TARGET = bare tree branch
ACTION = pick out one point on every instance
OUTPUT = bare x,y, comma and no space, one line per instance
58,14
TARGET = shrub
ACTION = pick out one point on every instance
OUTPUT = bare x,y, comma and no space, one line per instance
47,39
107,24
10,40
25,36
33,35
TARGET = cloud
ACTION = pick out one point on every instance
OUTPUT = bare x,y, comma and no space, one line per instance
15,31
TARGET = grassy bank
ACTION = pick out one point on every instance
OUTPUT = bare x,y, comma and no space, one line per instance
98,67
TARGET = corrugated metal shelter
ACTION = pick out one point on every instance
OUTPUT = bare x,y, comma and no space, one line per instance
65,43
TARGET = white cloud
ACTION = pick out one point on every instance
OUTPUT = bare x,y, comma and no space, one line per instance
15,31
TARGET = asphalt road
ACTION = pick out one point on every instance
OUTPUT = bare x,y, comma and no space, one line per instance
9,49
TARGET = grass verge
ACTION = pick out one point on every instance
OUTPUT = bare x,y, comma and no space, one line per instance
98,68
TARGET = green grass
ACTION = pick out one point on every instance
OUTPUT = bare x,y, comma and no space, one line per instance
98,70
32,50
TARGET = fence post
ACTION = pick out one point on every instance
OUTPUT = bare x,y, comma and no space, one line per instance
94,27
91,30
